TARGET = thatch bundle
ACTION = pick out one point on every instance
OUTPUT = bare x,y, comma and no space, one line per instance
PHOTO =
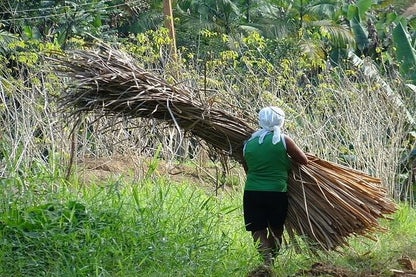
330,202
327,202
109,81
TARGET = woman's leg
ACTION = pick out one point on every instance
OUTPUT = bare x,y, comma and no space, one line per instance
275,239
265,248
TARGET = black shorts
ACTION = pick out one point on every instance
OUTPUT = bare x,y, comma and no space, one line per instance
264,209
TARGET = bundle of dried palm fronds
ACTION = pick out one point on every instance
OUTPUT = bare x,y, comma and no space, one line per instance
110,82
331,202
327,202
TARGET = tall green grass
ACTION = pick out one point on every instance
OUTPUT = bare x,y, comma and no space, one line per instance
156,227
151,228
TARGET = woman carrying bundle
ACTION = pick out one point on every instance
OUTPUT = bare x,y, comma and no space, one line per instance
267,161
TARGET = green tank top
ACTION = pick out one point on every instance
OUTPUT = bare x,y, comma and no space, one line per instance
268,165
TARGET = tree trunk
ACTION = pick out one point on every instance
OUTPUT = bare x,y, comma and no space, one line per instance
168,18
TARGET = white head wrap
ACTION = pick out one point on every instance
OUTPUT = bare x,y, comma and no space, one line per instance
271,119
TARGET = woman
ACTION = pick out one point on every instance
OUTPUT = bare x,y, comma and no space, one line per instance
267,161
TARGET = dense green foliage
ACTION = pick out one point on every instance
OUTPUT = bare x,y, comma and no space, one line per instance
323,30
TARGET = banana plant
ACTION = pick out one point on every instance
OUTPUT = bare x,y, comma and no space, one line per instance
405,53
370,23
356,14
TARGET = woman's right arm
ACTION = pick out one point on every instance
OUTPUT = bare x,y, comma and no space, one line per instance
295,152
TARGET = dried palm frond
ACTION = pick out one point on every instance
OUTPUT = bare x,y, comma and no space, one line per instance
328,203
109,81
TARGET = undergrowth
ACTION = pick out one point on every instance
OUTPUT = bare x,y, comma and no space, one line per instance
150,228
156,227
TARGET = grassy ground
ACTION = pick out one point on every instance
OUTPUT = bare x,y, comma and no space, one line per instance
157,227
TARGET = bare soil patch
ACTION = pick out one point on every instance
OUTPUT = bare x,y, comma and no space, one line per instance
198,172
408,269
